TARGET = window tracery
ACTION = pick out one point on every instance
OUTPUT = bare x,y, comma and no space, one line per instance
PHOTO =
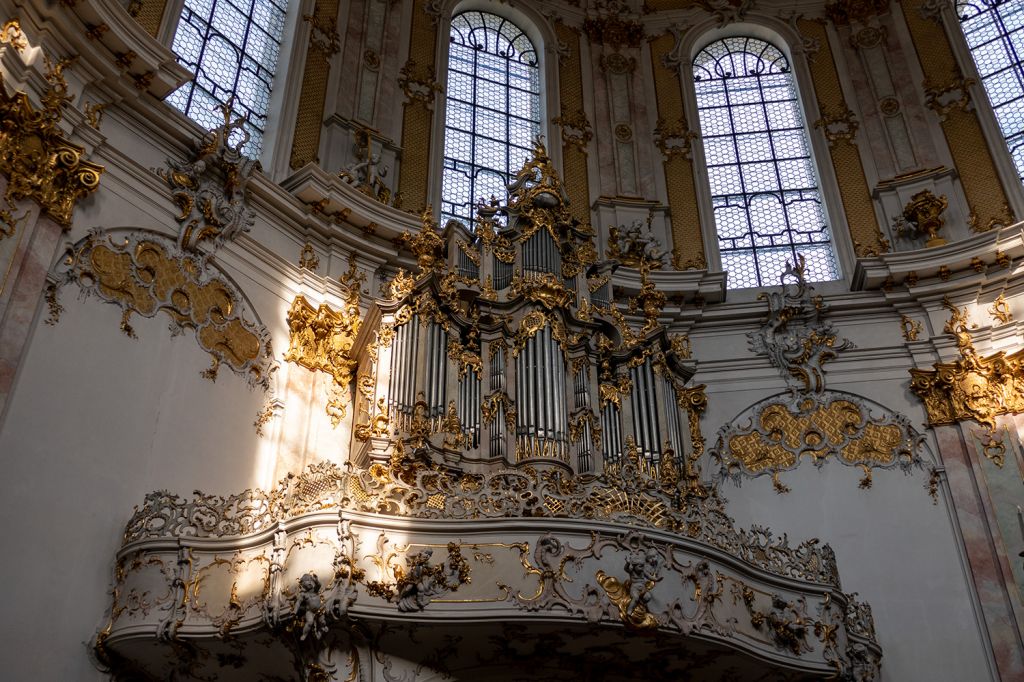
993,31
492,110
764,189
232,47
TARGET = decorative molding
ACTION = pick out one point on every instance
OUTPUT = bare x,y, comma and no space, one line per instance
924,213
12,35
419,83
38,162
614,31
945,97
847,12
910,328
145,273
840,126
675,138
576,130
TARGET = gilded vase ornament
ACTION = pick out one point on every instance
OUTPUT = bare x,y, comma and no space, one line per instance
924,213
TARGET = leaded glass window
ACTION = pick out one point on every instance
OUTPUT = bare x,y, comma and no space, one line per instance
492,111
764,190
993,32
232,47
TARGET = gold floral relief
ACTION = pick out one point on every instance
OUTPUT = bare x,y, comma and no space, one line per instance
144,275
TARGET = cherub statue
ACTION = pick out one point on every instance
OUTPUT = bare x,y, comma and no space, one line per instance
418,585
309,607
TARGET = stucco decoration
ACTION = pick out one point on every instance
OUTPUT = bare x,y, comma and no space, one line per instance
209,188
38,162
145,273
773,436
408,488
795,337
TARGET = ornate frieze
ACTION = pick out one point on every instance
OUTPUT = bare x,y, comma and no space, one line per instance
146,273
38,162
973,386
209,188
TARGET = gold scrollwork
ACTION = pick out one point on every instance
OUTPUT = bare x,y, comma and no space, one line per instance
144,276
34,156
321,339
972,387
11,34
910,328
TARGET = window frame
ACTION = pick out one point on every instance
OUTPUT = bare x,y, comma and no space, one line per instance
541,35
282,107
782,37
1010,178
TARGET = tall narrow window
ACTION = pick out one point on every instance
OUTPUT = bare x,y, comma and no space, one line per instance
232,47
764,191
492,111
993,29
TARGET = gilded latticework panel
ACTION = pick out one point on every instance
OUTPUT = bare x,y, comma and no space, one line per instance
687,241
865,234
418,114
773,436
308,120
574,156
975,166
148,13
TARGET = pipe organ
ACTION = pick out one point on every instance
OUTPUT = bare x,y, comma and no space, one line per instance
506,348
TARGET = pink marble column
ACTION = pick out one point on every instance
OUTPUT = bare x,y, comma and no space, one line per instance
25,258
983,543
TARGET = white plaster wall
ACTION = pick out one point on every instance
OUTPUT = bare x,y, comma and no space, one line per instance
97,420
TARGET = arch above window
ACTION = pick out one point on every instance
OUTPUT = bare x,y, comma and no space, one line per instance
994,31
764,189
492,110
232,47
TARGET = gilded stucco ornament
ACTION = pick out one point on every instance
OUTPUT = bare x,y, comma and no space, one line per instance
146,273
795,337
209,188
11,34
38,162
427,245
973,386
321,339
366,173
923,213
775,434
421,581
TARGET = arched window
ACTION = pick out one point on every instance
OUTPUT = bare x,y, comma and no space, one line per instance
764,190
994,30
492,110
232,47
